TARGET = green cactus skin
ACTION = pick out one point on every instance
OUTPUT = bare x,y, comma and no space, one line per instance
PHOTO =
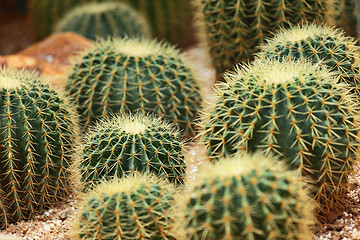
232,30
169,19
103,20
125,144
37,132
136,207
318,44
127,75
293,110
44,14
246,197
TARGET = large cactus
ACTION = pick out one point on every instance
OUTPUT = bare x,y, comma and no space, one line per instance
321,45
136,207
104,19
127,75
134,143
37,133
293,110
246,197
232,30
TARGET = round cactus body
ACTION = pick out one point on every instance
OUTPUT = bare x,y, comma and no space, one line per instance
136,207
246,197
232,30
128,144
103,20
127,75
293,110
37,132
318,44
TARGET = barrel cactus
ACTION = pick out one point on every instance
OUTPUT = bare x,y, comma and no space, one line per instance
342,13
318,44
45,14
127,144
232,30
135,207
37,133
127,75
246,197
293,110
103,20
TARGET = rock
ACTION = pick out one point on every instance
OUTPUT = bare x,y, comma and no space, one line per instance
50,57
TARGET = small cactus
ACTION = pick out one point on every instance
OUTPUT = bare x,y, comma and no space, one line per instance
128,75
135,207
103,20
246,197
232,30
293,110
37,133
125,144
318,44
44,14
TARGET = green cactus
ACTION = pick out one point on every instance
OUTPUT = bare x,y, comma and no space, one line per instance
126,144
232,30
103,20
169,19
135,207
293,110
318,44
246,197
37,133
342,13
127,75
44,14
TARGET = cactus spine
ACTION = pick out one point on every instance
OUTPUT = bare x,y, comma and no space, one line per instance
293,110
126,144
247,197
318,44
103,20
127,75
37,133
136,207
232,30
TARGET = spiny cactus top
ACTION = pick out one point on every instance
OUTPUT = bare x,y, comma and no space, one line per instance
37,133
246,197
135,207
104,19
125,144
318,44
233,29
289,109
127,75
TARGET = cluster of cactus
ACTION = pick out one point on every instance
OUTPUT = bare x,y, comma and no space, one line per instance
291,109
37,132
104,19
232,30
128,144
135,207
246,197
128,75
319,45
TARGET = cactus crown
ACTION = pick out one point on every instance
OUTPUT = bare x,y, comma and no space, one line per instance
246,196
137,47
135,207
